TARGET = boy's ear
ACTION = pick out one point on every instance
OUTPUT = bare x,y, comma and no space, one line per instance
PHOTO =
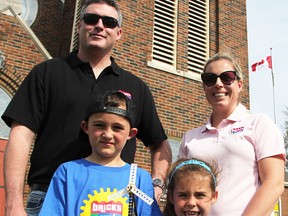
132,133
84,126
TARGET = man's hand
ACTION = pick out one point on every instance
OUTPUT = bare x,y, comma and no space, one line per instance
158,195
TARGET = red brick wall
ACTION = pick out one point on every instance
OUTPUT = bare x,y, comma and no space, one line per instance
20,52
284,201
66,29
48,25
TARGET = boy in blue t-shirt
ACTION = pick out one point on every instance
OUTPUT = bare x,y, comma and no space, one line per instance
82,187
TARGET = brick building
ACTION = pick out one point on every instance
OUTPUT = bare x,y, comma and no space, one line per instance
165,42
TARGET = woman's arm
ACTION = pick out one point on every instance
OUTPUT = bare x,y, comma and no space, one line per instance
271,172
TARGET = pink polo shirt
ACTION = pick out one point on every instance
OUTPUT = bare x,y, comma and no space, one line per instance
240,141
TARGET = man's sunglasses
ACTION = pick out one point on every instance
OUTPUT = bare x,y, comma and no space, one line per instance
92,19
227,78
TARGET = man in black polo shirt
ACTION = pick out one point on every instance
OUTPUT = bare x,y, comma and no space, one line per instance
53,99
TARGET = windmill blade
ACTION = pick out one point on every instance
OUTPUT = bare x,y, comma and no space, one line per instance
132,180
133,172
118,194
131,188
142,195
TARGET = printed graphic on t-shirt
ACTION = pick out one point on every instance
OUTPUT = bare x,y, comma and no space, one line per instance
98,204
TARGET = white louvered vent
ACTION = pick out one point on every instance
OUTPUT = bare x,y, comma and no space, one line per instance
74,40
198,35
164,35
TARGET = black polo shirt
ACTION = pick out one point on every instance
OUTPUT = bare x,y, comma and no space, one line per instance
53,100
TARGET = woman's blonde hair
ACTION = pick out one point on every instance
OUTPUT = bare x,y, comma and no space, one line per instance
226,56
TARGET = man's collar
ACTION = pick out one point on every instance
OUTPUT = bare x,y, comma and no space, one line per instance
74,62
73,59
115,67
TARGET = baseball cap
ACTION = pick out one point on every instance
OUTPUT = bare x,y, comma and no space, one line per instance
109,103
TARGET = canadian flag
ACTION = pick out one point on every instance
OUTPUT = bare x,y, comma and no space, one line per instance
264,62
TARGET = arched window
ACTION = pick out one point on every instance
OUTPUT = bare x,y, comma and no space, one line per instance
27,9
4,100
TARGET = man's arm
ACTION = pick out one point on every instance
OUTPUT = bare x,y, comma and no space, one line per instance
15,163
161,157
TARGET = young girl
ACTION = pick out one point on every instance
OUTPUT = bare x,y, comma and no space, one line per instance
191,188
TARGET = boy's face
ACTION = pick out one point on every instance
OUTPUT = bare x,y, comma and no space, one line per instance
108,133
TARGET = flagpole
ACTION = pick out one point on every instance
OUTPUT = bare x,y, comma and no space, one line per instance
272,74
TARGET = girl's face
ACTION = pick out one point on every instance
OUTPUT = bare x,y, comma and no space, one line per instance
192,195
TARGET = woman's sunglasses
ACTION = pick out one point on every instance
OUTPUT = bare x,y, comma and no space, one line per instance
92,19
227,78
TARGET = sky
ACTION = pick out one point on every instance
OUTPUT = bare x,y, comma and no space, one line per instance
267,23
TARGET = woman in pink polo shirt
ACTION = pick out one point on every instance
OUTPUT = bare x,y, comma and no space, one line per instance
248,147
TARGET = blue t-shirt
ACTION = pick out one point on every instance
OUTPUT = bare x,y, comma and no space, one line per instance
81,188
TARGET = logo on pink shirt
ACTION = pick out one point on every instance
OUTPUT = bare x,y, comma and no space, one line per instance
237,130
